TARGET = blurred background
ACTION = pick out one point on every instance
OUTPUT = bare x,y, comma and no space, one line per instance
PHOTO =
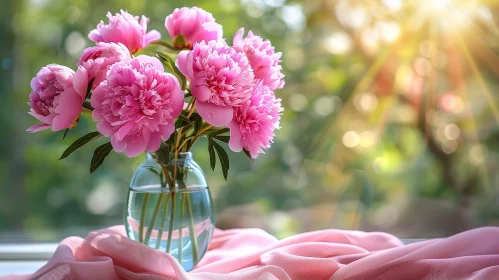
391,119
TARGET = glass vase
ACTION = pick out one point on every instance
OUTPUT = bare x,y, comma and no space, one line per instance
174,219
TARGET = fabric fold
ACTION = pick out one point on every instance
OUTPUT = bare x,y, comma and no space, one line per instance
255,254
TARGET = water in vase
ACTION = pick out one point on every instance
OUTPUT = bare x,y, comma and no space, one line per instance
179,222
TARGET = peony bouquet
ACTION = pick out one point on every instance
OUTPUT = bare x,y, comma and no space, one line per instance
148,95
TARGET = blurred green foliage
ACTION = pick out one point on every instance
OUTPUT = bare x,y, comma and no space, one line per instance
382,130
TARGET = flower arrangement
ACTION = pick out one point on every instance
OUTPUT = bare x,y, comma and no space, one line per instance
148,95
209,88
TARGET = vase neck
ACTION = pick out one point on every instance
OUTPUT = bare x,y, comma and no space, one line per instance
180,159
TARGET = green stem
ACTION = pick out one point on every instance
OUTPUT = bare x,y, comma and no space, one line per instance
163,222
143,215
144,50
176,138
153,219
192,234
172,220
203,130
167,175
195,137
185,142
166,45
181,229
192,142
191,107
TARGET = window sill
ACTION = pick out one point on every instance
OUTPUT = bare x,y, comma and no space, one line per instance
24,258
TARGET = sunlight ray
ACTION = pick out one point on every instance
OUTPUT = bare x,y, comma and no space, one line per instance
363,84
461,88
323,139
481,81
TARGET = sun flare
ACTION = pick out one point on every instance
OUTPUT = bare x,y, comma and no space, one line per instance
449,15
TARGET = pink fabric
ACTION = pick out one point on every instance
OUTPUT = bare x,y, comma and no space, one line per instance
254,254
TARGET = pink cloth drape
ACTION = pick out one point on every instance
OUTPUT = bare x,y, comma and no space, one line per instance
255,254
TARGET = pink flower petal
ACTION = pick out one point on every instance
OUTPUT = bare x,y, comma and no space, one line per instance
213,114
150,37
177,99
80,82
38,127
238,36
123,131
154,142
37,116
167,130
69,103
118,145
105,129
61,122
135,146
144,59
181,62
235,141
202,93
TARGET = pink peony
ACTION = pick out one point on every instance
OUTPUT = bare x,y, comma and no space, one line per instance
194,24
221,78
95,61
126,29
263,59
255,121
136,105
54,100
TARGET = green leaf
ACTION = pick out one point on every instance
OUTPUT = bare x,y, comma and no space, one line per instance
217,131
82,141
248,155
88,106
179,74
163,58
170,140
195,117
183,115
164,44
222,155
65,132
198,124
211,150
223,138
183,120
99,155
166,62
89,88
163,154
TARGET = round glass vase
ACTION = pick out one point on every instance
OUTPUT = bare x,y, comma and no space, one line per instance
178,220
